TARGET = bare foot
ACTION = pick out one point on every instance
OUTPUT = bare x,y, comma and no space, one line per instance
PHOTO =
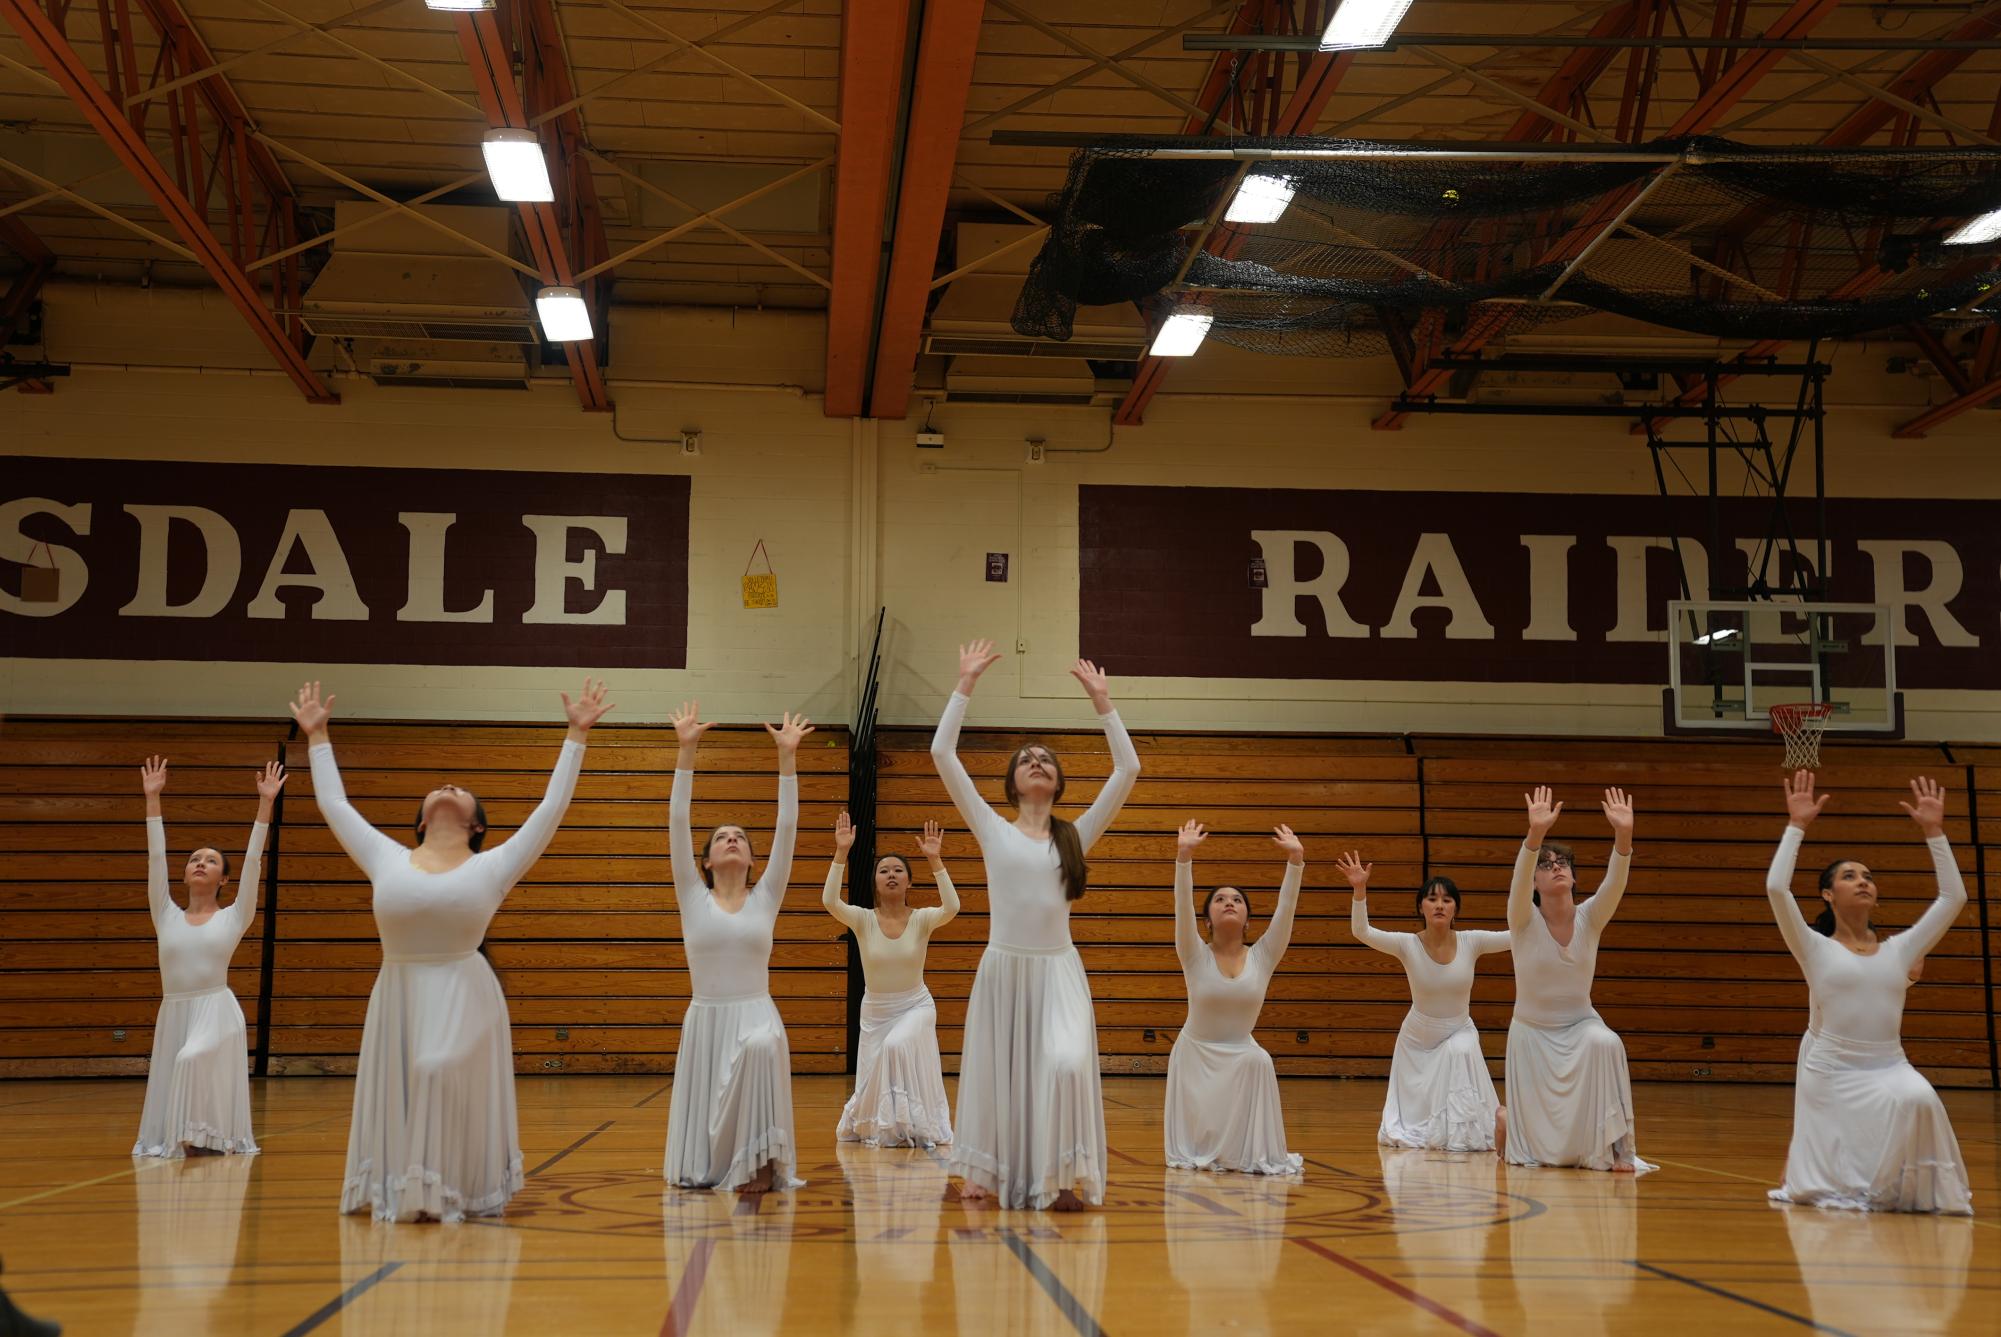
1067,1201
761,1183
1624,1168
1501,1130
967,1192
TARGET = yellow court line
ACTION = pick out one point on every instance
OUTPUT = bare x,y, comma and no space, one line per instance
1728,1174
82,1183
1731,1174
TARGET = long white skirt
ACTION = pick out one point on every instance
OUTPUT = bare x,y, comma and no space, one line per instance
899,1098
1031,1111
1223,1109
1869,1133
1570,1100
1441,1096
434,1131
198,1083
730,1113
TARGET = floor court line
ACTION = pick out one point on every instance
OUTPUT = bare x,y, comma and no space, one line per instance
1397,1288
1771,1309
341,1301
688,1291
572,1147
1073,1309
655,1096
82,1183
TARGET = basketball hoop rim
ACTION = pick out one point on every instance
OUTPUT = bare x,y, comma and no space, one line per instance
1788,717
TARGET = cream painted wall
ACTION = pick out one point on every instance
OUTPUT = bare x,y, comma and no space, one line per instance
854,514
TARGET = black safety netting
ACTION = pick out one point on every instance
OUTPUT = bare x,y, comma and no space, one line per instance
1701,235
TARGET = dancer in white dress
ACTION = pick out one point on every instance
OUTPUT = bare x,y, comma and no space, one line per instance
729,1119
899,1098
1868,1130
1441,1095
1222,1093
1570,1099
198,1083
434,1135
1031,1126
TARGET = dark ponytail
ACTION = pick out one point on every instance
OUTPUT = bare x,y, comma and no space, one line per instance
1070,854
1062,832
1823,924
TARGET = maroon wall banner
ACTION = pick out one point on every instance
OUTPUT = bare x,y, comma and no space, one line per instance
1501,587
129,559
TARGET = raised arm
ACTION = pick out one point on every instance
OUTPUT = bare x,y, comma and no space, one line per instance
1357,873
365,845
1186,938
513,859
1543,812
1929,813
1801,808
1125,758
830,895
1618,806
688,879
153,779
933,845
974,659
248,885
1272,943
778,865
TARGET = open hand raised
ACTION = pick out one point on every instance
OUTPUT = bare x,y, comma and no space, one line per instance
153,776
270,780
1356,872
310,711
589,707
844,835
789,734
1283,838
687,726
1543,810
1801,805
1929,810
1191,834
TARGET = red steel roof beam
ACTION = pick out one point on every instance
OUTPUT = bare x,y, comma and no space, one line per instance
1798,21
874,37
949,39
1943,413
491,60
63,65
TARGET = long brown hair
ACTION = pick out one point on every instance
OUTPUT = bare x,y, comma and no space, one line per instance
1062,831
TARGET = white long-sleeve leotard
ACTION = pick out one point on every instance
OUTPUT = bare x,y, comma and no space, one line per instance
1853,996
423,914
1442,992
1026,904
195,957
1553,982
729,955
1221,1009
892,965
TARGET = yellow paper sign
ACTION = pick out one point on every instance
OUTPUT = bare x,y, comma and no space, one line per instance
760,588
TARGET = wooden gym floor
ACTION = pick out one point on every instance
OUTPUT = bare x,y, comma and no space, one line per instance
1370,1241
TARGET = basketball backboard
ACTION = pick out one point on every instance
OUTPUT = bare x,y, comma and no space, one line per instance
1730,663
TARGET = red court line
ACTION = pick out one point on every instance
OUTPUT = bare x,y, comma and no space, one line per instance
681,1314
1395,1287
1122,1156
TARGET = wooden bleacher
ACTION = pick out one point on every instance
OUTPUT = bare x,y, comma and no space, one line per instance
1692,974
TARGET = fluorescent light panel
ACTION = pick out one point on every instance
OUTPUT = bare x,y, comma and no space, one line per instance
1980,231
458,6
565,318
1183,332
516,166
1262,198
1363,23
1718,636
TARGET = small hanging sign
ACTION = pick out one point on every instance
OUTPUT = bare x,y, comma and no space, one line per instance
997,567
760,588
1258,578
41,584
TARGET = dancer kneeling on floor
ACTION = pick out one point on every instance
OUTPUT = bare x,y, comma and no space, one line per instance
198,1083
899,1098
1222,1092
1570,1099
1869,1132
1441,1095
729,1119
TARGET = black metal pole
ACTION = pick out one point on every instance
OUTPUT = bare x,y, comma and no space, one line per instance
267,968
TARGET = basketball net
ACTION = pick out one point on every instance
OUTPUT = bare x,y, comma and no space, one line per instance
1801,724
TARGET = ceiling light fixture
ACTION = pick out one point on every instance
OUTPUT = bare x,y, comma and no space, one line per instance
1183,332
516,166
1363,23
566,319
